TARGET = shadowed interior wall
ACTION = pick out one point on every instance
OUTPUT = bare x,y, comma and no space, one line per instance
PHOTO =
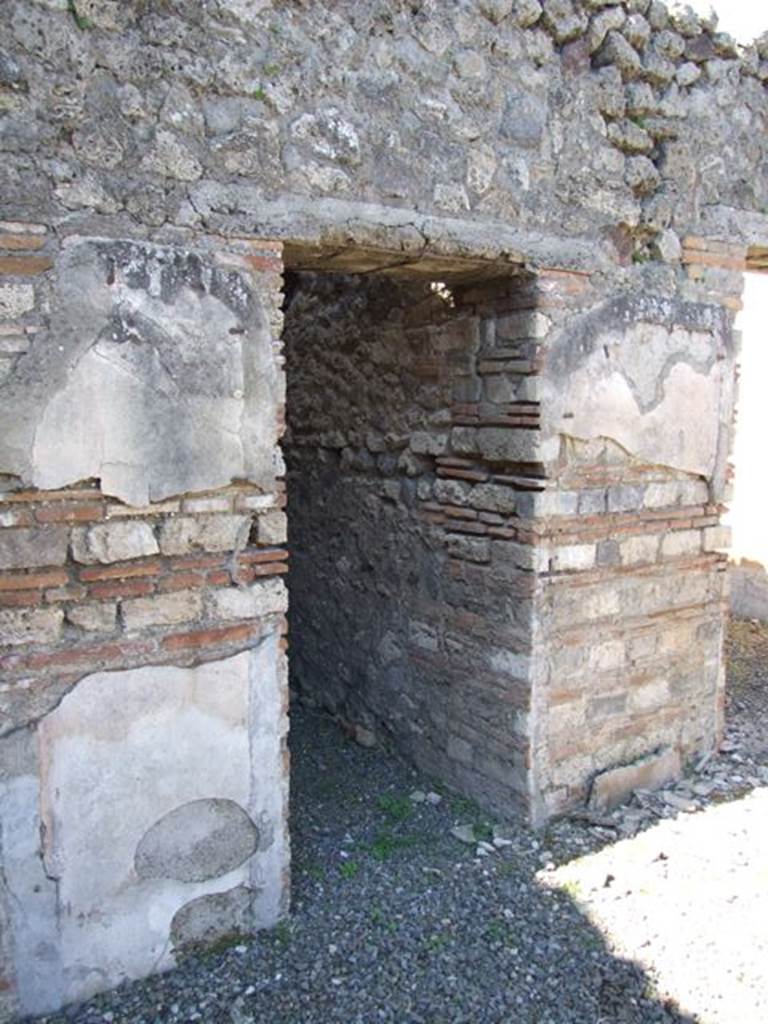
405,618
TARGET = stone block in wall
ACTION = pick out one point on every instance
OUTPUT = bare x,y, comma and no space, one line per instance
34,547
265,597
272,527
612,787
181,535
716,538
16,300
95,617
162,609
572,557
113,542
681,542
30,625
641,548
504,444
493,498
472,549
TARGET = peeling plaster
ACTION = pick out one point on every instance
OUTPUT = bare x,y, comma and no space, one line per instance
159,378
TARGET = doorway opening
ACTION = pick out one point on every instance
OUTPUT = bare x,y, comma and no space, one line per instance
410,616
747,689
749,548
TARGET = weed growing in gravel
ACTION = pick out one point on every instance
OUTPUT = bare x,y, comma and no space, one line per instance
282,933
467,810
436,941
572,888
349,869
386,844
498,931
382,920
396,808
464,807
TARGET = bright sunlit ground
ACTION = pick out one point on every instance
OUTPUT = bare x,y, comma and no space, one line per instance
688,900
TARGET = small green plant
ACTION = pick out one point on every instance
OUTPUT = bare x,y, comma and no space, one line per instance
396,808
314,871
483,831
464,807
571,888
214,948
436,941
259,94
382,920
498,931
271,70
349,869
82,22
386,844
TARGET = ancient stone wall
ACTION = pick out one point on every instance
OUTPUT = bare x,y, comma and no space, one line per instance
620,122
549,452
637,393
142,709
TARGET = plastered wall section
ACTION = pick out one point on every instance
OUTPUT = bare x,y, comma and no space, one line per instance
637,398
143,761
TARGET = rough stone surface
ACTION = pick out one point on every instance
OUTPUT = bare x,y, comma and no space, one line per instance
267,597
197,841
611,788
30,626
213,918
183,606
113,542
184,534
30,548
749,590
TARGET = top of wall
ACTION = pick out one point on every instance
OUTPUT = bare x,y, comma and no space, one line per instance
564,119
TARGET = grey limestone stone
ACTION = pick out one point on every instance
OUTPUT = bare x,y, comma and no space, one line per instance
30,625
499,444
95,617
612,787
265,597
619,53
180,535
113,542
33,547
162,609
197,841
209,919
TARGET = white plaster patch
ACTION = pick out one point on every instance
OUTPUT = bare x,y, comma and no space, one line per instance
162,379
122,750
627,391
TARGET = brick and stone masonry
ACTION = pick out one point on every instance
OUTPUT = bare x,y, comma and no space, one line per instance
142,608
514,235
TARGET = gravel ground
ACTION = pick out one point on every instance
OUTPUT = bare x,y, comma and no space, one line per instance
395,919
